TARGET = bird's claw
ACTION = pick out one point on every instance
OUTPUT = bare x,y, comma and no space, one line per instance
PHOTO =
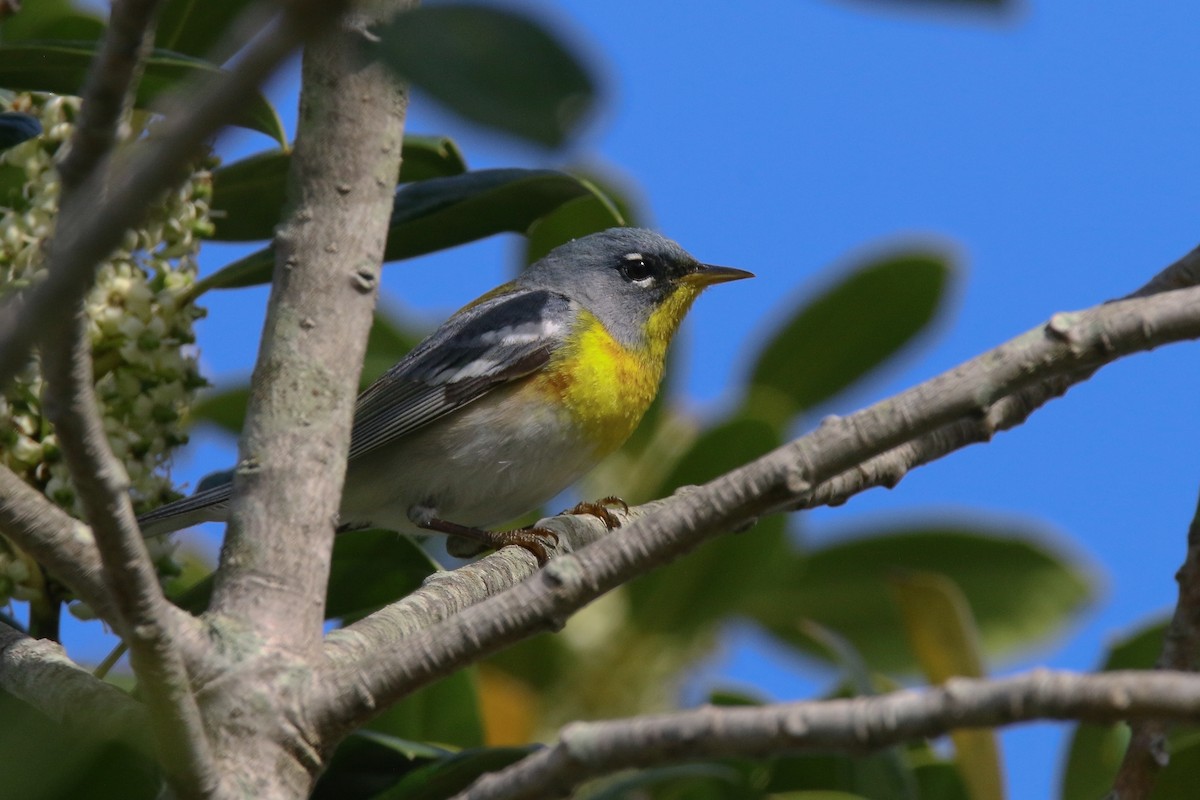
599,509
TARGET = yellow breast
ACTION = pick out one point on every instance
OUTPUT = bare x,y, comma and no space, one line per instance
604,386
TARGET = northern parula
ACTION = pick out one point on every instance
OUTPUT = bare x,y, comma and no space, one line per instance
514,397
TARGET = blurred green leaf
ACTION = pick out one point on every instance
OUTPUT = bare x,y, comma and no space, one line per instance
368,762
249,195
51,19
1019,590
454,773
371,569
445,712
195,27
713,582
1096,751
700,781
572,219
847,331
1177,781
718,450
441,213
870,775
61,68
940,781
942,634
45,761
494,66
225,408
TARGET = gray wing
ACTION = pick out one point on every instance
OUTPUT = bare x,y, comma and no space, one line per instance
476,350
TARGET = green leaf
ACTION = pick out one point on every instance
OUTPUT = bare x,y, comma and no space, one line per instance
1096,751
249,195
368,762
701,781
712,583
195,27
51,19
494,66
225,408
61,67
441,213
1178,780
847,331
445,712
371,569
1019,590
46,761
454,773
578,217
942,634
940,781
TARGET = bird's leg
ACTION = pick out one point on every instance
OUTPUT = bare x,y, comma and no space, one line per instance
600,510
535,540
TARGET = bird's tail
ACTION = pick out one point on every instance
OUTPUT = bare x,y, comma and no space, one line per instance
209,505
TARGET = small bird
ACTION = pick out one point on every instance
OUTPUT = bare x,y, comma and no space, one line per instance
514,398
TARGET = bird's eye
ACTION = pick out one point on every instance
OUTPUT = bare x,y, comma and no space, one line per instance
634,268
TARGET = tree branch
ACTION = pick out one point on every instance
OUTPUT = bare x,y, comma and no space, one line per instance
147,622
1070,342
38,672
288,483
590,749
889,468
149,625
1147,752
447,593
56,540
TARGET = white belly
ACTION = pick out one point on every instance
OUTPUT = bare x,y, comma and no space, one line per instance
476,468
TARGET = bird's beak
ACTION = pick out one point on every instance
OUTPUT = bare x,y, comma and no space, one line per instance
707,275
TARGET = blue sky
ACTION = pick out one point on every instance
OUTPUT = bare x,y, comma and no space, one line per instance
1054,150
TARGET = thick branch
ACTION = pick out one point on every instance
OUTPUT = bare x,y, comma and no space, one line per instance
1147,753
39,673
586,750
157,165
1069,343
276,558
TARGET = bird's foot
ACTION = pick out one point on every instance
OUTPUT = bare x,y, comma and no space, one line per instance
537,541
599,509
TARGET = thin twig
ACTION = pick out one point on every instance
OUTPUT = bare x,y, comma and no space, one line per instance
590,749
1068,343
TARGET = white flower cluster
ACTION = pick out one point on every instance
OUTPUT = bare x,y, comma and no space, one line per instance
140,317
